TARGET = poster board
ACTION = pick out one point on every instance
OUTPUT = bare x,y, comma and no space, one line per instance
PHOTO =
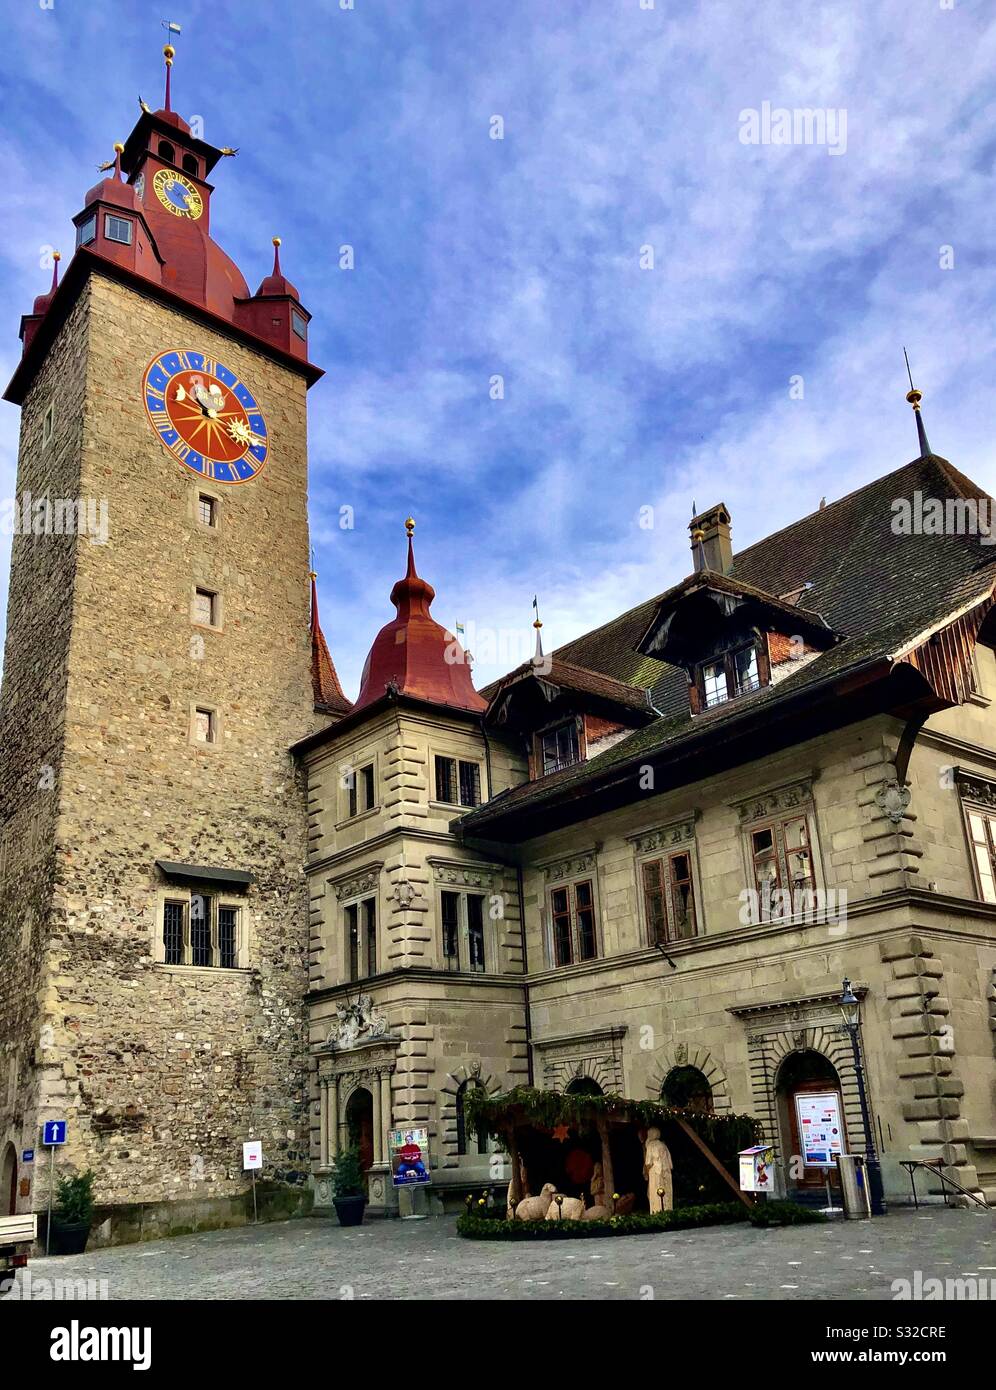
409,1154
821,1130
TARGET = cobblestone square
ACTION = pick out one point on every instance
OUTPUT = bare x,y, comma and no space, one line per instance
316,1259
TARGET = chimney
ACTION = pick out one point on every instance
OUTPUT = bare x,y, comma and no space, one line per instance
711,545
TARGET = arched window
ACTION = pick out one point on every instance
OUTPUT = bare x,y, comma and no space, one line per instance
686,1088
479,1141
190,164
166,152
583,1086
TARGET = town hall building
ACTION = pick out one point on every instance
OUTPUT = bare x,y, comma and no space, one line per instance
236,904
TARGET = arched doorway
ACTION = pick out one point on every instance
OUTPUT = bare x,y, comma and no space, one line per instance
686,1088
811,1118
583,1086
8,1181
359,1125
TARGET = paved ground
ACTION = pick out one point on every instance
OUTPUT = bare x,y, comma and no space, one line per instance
315,1259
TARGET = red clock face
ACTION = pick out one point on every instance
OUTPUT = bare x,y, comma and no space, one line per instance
206,416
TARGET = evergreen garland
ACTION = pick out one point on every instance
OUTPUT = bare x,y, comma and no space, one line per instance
525,1105
768,1213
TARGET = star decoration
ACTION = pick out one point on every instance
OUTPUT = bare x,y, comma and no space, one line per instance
561,1133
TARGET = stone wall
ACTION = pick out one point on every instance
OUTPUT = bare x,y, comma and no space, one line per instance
164,1070
32,718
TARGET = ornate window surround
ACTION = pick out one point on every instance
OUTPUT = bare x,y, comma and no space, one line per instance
351,887
564,872
976,792
452,876
787,801
661,842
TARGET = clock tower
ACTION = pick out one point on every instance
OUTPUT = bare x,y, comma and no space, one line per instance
162,654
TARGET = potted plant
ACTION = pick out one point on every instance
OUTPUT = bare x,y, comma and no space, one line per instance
73,1214
348,1196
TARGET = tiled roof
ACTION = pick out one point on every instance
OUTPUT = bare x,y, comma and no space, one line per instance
880,590
569,677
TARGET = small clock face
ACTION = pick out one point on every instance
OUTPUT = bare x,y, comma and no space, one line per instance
205,416
139,187
177,194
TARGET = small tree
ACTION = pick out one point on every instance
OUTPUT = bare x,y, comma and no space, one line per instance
347,1177
74,1199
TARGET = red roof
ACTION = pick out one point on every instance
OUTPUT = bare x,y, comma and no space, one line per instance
414,655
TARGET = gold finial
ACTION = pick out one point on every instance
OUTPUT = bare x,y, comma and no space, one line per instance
410,527
168,53
312,574
57,255
698,535
118,147
277,241
914,397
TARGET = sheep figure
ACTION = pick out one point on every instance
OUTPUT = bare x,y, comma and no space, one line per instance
569,1209
535,1208
596,1213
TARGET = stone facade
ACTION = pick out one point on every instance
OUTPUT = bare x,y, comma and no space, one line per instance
161,1069
737,1001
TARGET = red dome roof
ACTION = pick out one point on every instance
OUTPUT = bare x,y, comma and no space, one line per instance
414,655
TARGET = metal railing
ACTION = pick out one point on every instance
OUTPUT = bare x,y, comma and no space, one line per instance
935,1166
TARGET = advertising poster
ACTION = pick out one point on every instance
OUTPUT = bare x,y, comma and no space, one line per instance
409,1150
756,1169
821,1132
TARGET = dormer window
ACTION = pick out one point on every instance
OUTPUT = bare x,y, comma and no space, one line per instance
299,324
735,673
560,747
86,231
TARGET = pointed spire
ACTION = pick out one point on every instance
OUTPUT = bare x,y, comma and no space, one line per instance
324,678
168,53
56,258
411,572
118,152
915,397
537,624
276,256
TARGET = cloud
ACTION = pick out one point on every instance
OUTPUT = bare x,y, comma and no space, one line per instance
520,258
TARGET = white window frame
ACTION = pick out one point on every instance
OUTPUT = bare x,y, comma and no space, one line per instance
463,962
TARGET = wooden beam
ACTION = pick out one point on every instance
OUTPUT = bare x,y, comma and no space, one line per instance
708,1153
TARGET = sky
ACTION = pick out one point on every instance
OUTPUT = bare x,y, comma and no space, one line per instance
553,343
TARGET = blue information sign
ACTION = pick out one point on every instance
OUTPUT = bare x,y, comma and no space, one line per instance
28,1156
54,1132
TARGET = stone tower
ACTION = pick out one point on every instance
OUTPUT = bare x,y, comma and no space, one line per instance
161,657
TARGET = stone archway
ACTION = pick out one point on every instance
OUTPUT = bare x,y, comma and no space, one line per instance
678,1058
687,1088
360,1125
8,1181
457,1082
583,1086
807,1086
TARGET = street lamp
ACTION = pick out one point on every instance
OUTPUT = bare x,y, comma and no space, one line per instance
850,1008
